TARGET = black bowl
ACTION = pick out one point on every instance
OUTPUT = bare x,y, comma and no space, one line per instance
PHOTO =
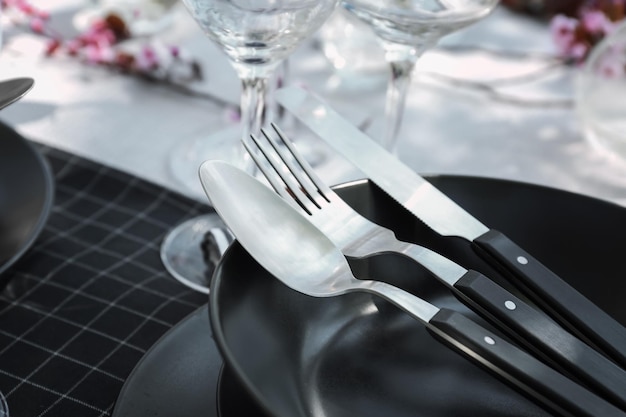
26,195
357,355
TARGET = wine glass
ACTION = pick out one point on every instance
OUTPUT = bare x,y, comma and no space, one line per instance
601,94
406,29
256,35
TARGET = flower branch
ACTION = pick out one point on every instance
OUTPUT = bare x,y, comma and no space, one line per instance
106,43
575,37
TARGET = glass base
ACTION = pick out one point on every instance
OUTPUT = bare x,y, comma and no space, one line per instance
191,250
186,158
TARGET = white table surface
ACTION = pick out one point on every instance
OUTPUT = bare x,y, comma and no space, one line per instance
135,125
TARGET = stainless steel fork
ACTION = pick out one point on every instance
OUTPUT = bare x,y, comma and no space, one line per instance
294,180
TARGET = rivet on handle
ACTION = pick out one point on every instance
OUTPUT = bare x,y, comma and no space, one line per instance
522,260
510,305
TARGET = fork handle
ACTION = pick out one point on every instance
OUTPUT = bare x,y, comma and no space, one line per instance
572,309
535,329
541,382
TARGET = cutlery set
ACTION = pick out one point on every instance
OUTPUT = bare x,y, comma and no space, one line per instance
437,211
571,360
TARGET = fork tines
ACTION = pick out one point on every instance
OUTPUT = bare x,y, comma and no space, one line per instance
299,180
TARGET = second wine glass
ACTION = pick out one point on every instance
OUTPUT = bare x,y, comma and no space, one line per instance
407,28
256,35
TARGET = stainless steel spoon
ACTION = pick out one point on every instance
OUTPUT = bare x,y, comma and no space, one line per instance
14,89
291,248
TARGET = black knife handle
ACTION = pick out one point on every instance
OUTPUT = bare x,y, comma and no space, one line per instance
535,329
569,307
547,386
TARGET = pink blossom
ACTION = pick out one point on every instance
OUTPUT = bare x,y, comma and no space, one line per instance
52,46
100,45
147,59
597,22
73,46
107,54
105,37
563,30
98,35
37,25
97,26
94,54
42,14
25,7
578,51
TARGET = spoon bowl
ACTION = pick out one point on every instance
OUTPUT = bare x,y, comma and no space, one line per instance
314,269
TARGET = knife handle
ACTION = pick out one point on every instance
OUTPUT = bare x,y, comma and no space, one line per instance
569,307
544,384
534,329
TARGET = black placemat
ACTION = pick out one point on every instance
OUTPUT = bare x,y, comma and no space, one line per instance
91,296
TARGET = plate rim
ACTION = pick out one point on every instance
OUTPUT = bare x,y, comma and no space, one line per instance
122,402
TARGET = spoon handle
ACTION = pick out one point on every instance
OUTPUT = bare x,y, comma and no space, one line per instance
545,385
527,325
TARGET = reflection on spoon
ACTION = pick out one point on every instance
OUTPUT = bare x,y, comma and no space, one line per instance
14,89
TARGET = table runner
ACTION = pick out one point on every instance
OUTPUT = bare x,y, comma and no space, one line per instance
91,296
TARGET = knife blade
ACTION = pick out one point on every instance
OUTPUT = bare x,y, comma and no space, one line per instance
567,305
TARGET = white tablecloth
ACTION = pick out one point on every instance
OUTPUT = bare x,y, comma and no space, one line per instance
135,125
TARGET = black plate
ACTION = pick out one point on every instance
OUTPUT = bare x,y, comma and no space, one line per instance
178,376
356,355
182,375
26,194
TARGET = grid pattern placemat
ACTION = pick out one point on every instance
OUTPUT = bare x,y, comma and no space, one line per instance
91,296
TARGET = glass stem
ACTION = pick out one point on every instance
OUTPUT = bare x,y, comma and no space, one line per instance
402,59
253,113
280,80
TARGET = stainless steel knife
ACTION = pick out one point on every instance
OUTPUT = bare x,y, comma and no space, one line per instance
568,306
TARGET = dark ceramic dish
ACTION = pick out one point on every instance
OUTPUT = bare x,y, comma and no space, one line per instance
26,195
357,355
178,376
